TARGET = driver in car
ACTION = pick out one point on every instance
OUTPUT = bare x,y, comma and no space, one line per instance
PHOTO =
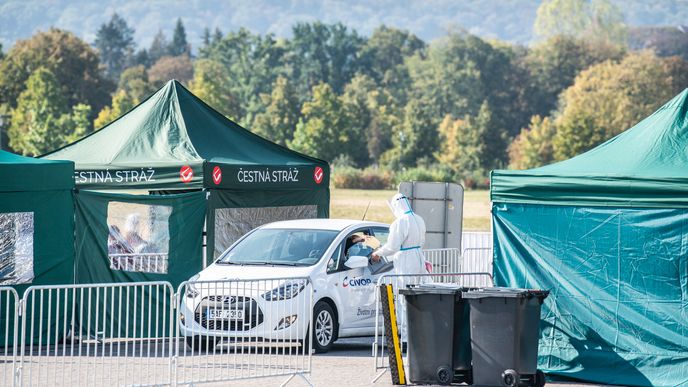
361,244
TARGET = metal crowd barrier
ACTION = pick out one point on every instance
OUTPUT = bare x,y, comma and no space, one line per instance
100,334
244,329
451,260
140,262
144,334
400,281
9,326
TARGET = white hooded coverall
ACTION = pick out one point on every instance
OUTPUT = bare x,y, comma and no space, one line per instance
405,248
406,238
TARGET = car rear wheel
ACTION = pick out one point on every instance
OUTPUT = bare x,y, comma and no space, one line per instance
324,327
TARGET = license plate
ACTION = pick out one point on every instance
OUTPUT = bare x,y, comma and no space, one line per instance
225,314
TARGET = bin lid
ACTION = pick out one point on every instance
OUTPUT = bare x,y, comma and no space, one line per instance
435,288
498,292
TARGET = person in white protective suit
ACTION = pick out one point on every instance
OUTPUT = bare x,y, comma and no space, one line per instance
406,238
405,248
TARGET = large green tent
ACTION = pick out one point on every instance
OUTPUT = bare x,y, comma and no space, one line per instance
607,233
195,166
36,226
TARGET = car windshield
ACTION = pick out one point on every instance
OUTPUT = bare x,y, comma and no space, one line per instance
269,246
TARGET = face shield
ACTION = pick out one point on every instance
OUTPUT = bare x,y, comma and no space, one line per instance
400,205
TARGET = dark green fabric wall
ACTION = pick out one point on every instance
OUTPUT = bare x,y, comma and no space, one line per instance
618,308
53,247
185,229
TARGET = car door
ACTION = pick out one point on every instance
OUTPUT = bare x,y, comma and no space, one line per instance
355,288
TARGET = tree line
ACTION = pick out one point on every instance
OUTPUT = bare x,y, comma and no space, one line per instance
461,104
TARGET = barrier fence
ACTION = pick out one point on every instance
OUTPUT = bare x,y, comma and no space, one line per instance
141,262
104,334
470,260
244,329
401,281
9,327
144,334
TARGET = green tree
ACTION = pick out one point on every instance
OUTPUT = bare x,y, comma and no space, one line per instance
462,145
121,103
217,35
251,64
415,138
554,64
206,37
321,53
159,47
385,113
469,145
609,98
210,83
134,82
279,120
460,74
42,120
115,42
71,60
533,147
373,113
179,45
593,19
383,55
321,132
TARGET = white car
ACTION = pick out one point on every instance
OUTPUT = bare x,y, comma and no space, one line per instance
332,253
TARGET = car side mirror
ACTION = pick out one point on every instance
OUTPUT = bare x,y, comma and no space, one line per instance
356,261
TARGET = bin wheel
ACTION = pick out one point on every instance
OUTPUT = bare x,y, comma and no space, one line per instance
510,378
444,375
468,377
539,379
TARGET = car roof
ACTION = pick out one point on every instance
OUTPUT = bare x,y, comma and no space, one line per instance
323,224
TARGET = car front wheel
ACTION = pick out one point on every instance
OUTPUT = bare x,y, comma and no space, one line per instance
324,327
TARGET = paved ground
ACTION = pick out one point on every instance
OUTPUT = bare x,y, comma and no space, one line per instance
349,364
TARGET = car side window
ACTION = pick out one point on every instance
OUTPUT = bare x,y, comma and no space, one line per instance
333,262
381,233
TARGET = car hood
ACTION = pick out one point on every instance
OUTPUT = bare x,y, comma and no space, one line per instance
219,272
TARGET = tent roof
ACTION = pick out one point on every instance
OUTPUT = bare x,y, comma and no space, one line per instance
646,165
19,173
170,129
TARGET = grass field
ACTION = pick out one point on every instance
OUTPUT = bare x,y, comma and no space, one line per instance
352,203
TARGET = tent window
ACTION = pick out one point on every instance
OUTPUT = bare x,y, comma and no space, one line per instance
139,237
16,248
232,223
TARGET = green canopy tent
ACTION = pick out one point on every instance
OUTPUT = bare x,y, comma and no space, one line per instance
196,167
36,226
607,233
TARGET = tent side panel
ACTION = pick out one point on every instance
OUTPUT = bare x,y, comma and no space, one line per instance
131,238
243,210
51,215
618,282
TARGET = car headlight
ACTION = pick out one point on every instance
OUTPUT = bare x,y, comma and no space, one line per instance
191,290
284,292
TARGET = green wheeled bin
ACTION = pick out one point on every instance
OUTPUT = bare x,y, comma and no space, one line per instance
505,329
439,347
